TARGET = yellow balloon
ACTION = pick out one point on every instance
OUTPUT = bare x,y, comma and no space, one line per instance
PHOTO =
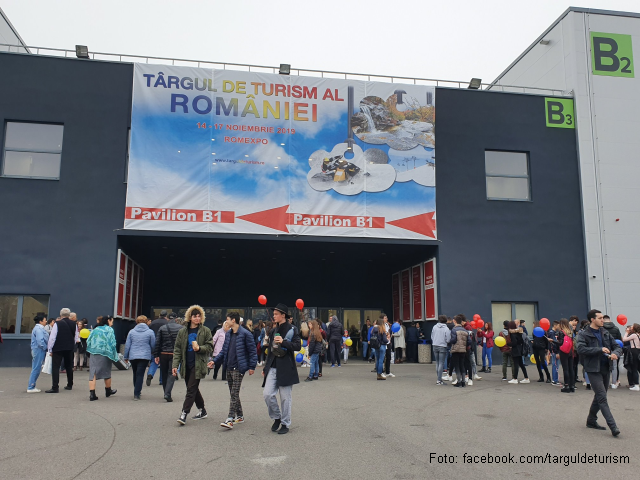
533,359
349,342
84,333
302,350
500,342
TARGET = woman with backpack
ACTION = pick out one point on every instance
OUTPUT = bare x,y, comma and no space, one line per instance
517,351
378,342
632,335
565,346
314,348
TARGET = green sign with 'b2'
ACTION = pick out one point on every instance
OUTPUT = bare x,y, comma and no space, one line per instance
559,112
611,54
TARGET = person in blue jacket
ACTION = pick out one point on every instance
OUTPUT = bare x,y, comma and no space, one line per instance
139,349
239,355
39,341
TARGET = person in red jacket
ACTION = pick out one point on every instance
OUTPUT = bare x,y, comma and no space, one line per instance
486,337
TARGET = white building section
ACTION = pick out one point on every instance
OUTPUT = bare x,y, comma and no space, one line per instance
10,40
606,90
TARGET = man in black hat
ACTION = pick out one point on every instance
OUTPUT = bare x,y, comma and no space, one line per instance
280,372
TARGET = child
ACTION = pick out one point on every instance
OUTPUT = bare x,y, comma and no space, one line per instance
314,349
345,348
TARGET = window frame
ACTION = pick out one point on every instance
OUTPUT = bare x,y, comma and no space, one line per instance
513,310
19,311
27,150
528,177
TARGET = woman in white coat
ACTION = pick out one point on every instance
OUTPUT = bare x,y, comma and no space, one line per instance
399,342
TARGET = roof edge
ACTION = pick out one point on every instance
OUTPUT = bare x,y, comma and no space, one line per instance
595,11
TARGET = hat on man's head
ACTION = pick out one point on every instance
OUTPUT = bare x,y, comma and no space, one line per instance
173,315
281,307
163,313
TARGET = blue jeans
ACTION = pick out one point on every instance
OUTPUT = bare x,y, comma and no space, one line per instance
37,358
554,367
486,355
441,359
314,370
153,367
365,347
380,353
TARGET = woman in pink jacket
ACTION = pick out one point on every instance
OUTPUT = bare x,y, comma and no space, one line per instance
218,342
486,337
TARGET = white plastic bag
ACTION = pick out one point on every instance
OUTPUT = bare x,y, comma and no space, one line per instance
46,366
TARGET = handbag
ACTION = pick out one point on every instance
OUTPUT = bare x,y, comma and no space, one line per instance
47,365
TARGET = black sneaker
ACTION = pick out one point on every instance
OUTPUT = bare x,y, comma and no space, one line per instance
52,390
183,418
595,425
149,378
168,398
283,429
68,387
308,379
276,425
200,415
588,387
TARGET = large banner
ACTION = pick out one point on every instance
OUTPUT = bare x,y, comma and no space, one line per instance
244,152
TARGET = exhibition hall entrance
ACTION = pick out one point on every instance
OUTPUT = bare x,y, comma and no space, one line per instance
349,278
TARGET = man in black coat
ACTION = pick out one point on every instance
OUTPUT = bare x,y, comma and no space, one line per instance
596,348
64,335
159,322
280,371
334,337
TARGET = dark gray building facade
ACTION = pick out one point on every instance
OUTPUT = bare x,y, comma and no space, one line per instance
60,237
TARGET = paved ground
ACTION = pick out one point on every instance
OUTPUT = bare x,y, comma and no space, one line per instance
345,425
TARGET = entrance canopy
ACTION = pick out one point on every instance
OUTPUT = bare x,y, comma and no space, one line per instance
233,272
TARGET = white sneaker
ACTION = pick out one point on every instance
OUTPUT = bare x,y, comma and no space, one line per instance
635,388
614,386
584,384
513,380
446,378
477,377
383,375
391,375
470,383
455,382
525,380
33,390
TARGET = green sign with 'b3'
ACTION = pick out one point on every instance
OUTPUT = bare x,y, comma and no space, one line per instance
559,112
611,54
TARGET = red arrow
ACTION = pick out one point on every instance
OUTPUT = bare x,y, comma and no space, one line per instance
424,224
276,218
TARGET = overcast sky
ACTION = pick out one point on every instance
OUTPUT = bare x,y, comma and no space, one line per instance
444,39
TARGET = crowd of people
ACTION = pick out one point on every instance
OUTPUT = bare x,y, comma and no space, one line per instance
189,349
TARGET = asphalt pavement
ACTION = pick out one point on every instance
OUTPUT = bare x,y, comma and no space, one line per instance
346,425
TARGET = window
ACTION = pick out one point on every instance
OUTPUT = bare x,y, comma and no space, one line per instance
501,311
32,150
507,175
17,312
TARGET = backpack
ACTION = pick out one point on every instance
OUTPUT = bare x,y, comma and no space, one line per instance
374,341
567,344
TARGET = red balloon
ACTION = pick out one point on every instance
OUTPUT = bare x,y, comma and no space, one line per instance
545,324
262,300
473,324
476,317
299,304
479,323
622,319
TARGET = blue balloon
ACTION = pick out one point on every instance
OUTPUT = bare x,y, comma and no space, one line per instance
304,343
299,357
619,342
538,332
395,328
